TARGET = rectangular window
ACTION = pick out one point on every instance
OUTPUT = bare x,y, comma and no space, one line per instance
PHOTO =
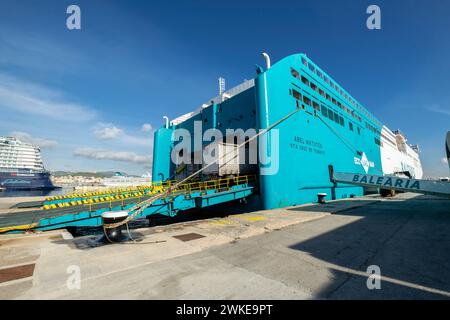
359,131
324,111
330,114
311,67
306,100
333,100
296,94
328,97
341,121
315,105
377,141
350,125
305,81
327,80
336,117
295,73
305,63
319,74
321,92
313,86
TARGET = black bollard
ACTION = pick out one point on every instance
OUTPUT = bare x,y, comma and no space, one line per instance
321,198
113,234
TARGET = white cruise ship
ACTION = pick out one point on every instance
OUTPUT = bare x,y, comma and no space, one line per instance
21,166
397,156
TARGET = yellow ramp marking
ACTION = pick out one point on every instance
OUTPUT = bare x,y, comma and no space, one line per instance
254,218
21,227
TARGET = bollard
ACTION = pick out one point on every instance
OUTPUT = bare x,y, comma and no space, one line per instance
321,198
114,234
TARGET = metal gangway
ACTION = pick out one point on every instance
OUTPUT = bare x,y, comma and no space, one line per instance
85,209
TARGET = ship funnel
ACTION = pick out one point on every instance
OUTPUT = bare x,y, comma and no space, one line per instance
167,121
267,58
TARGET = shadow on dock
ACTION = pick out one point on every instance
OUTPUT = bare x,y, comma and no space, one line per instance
409,240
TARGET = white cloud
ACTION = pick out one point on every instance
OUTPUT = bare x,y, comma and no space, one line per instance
41,142
108,132
439,109
444,160
146,127
123,156
30,98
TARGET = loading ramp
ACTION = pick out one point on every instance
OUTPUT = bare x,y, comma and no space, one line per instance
85,210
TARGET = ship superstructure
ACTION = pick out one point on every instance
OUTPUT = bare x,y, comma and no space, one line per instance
21,166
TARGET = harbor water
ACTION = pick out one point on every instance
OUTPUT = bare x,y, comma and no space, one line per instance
36,193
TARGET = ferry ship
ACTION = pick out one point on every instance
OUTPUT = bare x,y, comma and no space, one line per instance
21,166
327,131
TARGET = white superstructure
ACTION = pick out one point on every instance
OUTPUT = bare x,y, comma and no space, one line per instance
123,181
15,154
223,95
397,156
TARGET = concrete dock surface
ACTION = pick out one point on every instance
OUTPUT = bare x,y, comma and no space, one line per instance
304,252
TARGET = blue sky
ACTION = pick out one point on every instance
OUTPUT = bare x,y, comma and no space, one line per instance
92,97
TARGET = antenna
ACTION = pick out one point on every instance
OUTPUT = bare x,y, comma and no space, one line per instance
221,86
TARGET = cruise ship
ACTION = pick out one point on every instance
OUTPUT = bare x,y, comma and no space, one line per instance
21,166
320,129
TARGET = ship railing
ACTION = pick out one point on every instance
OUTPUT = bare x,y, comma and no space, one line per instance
203,187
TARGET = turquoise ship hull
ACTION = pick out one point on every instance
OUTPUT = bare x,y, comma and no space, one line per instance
330,131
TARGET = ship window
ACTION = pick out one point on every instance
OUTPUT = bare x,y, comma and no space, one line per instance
341,121
321,92
336,117
296,94
305,63
306,100
305,81
330,114
377,141
315,105
295,73
350,126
